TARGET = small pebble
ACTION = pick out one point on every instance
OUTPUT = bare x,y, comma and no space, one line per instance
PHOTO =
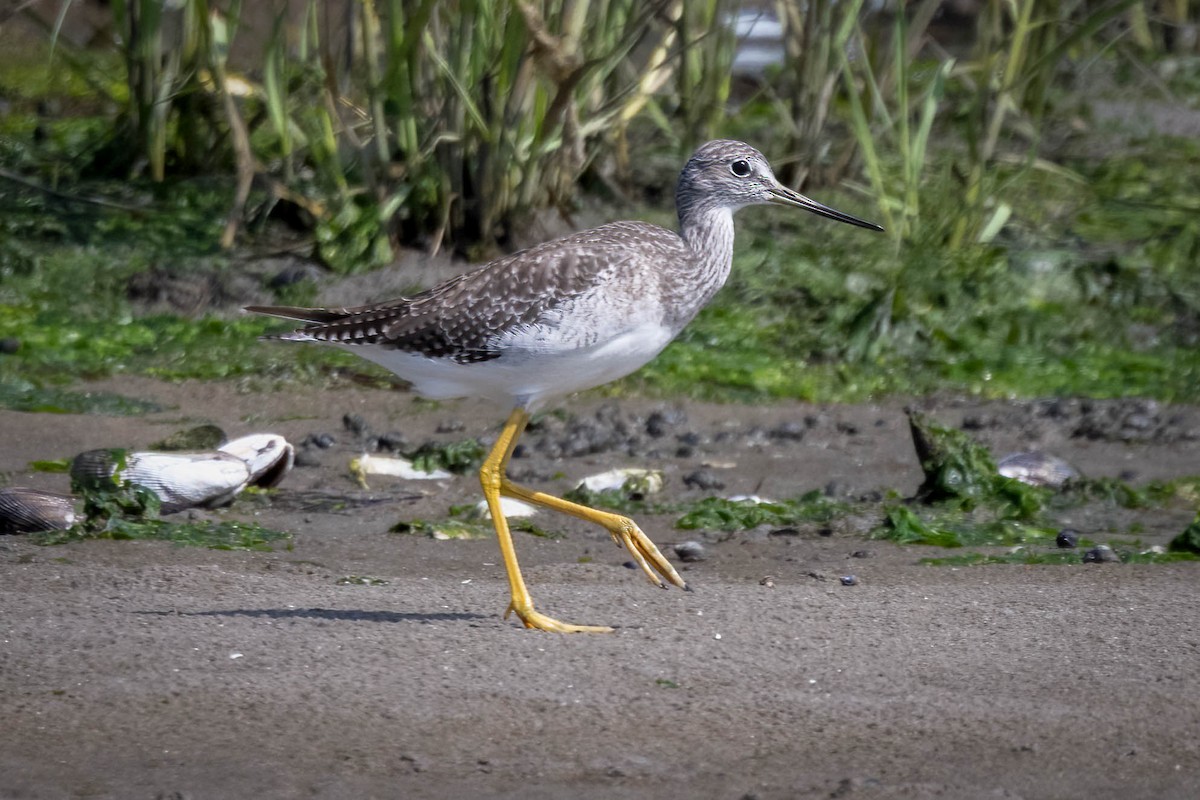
321,440
394,441
789,431
849,580
768,581
689,551
659,422
861,554
451,426
703,479
306,457
1067,538
356,424
1101,554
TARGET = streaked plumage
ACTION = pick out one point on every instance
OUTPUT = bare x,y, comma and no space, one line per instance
563,316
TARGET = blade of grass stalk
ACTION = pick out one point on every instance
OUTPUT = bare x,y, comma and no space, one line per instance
901,74
460,91
995,223
276,95
865,138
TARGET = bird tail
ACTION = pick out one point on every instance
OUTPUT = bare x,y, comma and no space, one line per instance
317,315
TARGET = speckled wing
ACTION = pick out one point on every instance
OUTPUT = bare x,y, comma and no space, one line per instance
465,318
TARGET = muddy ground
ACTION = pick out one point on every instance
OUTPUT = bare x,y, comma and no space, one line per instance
147,670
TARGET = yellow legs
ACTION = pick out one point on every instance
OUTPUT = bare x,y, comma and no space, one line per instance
623,530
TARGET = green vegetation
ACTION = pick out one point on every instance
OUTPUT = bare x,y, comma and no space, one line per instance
126,511
715,513
458,457
1188,541
964,502
226,535
1012,267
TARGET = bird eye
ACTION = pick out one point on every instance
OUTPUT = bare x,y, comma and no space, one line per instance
741,168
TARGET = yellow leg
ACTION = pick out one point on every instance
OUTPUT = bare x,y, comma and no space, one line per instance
624,531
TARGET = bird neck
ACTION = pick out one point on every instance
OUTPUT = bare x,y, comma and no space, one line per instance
708,233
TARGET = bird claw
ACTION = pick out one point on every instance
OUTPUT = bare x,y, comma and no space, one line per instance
647,555
534,619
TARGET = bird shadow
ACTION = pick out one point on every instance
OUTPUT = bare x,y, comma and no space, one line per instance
332,614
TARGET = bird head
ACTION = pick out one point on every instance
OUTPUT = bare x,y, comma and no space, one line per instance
730,174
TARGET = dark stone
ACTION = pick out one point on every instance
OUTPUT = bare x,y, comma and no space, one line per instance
356,425
1101,554
393,441
1067,538
790,430
704,480
321,440
689,551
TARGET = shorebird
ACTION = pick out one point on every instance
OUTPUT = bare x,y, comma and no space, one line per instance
559,317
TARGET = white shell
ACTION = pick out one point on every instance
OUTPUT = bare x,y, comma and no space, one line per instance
184,480
1037,469
268,456
510,506
393,467
748,498
644,481
30,510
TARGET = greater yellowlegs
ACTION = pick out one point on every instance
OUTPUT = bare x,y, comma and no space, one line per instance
563,316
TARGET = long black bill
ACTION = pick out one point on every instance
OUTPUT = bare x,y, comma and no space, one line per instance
784,196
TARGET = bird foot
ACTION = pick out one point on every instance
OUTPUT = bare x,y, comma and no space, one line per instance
646,554
534,619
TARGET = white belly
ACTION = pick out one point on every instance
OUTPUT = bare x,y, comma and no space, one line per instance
530,370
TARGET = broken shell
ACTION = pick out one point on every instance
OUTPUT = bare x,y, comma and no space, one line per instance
749,498
1037,469
632,480
30,510
511,507
367,464
181,480
268,456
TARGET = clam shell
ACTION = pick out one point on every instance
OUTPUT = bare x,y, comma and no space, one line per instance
367,464
631,479
184,480
511,507
30,510
268,456
93,469
1037,469
181,480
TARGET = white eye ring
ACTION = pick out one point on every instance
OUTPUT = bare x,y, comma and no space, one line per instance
740,168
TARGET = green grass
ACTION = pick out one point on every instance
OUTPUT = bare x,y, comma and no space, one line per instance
1091,291
227,535
716,513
